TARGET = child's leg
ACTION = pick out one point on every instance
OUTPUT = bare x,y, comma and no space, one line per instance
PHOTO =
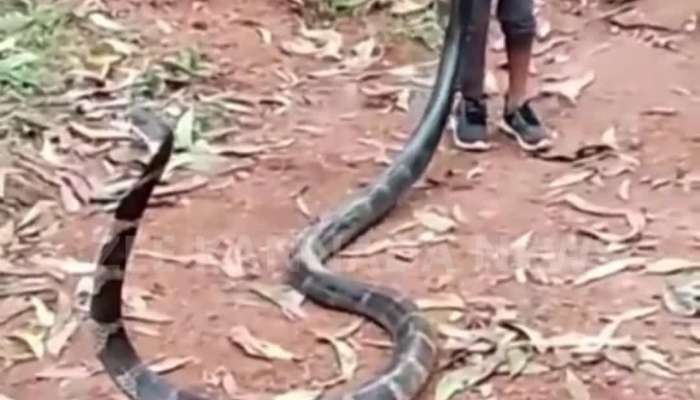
519,27
473,62
471,119
519,119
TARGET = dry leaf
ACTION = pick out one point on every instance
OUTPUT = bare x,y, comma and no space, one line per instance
169,364
404,7
346,356
671,265
624,191
284,296
434,222
77,372
635,219
441,301
682,299
44,315
58,340
12,307
571,179
265,35
299,394
577,390
255,347
232,262
105,22
608,269
145,315
523,242
299,47
688,365
609,137
33,339
463,378
458,214
67,265
302,206
570,89
229,384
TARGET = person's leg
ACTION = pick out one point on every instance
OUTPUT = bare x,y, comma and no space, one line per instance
471,131
519,28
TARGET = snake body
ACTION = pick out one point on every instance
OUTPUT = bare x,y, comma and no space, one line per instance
415,350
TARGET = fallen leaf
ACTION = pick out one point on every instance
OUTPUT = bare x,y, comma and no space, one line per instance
577,390
284,296
302,206
522,243
33,339
346,356
655,370
146,315
67,265
12,307
184,130
434,222
624,191
299,394
44,315
671,265
232,262
255,347
58,340
404,7
96,133
103,21
660,111
458,214
517,359
441,301
463,378
682,299
688,365
56,372
571,179
635,219
265,35
609,137
609,269
228,384
569,89
169,364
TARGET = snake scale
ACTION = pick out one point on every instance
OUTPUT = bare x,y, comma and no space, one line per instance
415,350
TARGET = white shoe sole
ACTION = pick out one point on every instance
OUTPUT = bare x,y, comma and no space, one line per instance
542,145
479,145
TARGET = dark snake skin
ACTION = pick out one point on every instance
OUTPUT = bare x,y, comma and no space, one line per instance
415,350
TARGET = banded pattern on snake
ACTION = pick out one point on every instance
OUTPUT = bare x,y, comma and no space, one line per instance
415,350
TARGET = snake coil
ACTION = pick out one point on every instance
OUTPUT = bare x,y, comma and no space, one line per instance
415,350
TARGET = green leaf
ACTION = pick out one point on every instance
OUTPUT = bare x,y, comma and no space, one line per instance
16,61
184,132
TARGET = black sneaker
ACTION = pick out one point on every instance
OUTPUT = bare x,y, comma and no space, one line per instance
523,125
470,132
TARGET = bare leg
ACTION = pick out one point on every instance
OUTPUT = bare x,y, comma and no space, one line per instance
520,121
518,25
519,54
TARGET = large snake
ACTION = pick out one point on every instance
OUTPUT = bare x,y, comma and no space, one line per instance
415,350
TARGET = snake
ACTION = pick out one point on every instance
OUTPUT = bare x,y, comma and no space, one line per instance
415,351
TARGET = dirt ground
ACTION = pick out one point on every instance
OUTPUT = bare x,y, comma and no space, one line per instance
506,200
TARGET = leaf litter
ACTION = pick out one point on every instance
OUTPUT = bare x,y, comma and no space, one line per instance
255,347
